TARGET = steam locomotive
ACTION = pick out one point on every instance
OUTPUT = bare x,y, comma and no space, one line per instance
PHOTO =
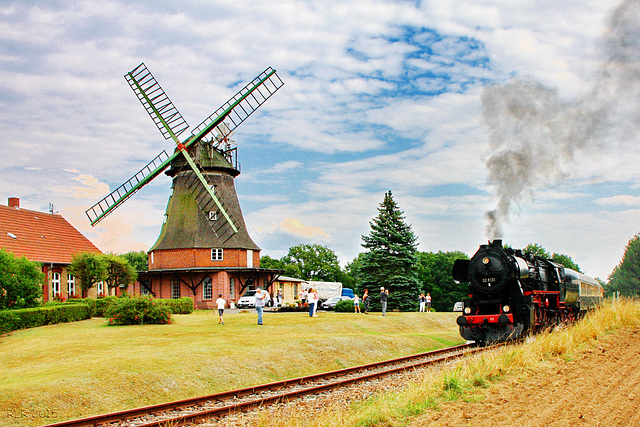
513,293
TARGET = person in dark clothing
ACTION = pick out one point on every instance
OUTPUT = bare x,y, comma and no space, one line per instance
366,301
384,296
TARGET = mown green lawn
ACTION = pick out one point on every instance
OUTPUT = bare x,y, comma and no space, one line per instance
66,371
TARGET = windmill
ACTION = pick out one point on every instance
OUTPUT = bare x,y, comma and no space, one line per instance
195,153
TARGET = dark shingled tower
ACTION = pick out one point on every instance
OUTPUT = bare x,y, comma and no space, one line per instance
185,226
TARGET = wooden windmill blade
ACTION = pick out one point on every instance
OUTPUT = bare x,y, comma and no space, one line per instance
155,167
240,106
158,105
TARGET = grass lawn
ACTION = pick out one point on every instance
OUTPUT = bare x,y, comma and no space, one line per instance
66,371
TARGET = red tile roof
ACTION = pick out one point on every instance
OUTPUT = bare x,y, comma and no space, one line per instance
40,236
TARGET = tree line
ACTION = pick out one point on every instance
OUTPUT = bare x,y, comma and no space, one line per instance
390,259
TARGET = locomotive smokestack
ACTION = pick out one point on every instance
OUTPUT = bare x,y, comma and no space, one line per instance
534,134
497,243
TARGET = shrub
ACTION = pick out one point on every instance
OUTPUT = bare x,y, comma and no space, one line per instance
103,304
138,311
182,305
345,306
11,320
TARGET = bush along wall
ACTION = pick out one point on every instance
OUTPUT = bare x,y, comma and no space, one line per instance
138,311
11,320
182,305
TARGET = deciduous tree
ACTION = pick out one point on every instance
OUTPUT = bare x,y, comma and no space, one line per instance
89,269
119,272
435,275
625,277
313,262
20,281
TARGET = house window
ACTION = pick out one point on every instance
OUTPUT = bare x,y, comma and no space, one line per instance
207,289
71,285
216,254
175,288
100,286
232,288
145,287
55,284
249,258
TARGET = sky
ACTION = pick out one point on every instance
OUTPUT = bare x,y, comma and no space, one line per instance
485,119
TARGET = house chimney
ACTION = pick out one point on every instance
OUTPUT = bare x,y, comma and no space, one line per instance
14,202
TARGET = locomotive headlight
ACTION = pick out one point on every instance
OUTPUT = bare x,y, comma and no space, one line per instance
506,308
467,310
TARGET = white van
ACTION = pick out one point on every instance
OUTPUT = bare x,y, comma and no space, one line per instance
248,300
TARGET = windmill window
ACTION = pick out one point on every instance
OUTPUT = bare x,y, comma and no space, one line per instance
216,254
213,216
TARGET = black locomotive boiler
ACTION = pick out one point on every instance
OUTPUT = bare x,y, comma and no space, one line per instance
512,293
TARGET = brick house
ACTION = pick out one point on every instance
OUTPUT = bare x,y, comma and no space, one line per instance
48,239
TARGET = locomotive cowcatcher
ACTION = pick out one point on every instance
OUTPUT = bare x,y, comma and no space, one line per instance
512,293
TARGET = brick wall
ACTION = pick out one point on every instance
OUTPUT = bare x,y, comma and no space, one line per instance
199,257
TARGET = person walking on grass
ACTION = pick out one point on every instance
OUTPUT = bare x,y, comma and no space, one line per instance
384,296
221,303
428,301
366,301
260,296
423,301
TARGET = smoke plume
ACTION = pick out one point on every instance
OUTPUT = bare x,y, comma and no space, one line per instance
533,134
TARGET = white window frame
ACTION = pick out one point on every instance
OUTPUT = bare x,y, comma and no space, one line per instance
100,289
71,285
55,284
207,288
217,254
232,287
175,288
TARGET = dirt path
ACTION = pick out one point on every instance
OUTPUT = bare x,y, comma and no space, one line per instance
599,388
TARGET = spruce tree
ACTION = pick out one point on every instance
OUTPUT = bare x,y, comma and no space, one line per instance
391,258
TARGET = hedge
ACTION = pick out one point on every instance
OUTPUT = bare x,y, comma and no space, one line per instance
182,305
138,311
11,320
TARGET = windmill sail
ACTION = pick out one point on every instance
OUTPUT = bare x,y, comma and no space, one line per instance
240,106
158,105
213,208
101,209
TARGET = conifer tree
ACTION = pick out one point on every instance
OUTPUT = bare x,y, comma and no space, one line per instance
391,258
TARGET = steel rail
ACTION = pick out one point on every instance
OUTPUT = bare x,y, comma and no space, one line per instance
410,362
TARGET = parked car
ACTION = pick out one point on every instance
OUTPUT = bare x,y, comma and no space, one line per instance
458,306
330,304
248,300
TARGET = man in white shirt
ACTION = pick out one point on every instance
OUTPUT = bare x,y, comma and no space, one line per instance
260,296
221,303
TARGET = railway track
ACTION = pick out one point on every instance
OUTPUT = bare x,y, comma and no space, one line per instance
193,410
